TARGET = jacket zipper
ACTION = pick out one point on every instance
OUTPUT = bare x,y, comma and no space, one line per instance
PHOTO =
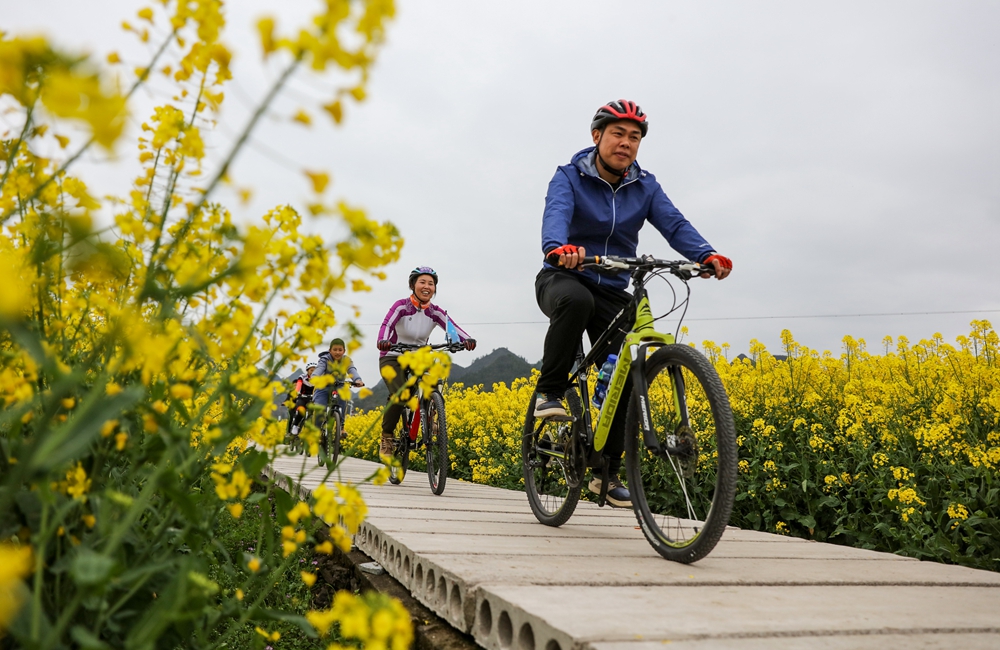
614,214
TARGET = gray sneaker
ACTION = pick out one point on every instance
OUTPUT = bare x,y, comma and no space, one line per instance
618,496
547,406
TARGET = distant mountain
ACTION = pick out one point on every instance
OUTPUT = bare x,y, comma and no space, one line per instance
500,365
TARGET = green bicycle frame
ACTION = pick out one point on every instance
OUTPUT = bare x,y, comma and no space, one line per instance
631,357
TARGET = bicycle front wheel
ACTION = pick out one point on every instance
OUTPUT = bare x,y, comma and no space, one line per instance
551,455
401,451
435,431
330,442
683,486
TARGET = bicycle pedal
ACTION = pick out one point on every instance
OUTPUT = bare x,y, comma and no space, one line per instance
558,418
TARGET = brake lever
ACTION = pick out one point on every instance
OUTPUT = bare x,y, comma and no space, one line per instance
695,269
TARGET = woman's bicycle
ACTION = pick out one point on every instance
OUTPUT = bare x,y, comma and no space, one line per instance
429,421
680,440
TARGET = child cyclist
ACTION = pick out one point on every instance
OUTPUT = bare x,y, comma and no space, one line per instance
335,363
302,394
410,320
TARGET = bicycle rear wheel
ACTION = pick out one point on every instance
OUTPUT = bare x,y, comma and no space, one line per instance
435,432
683,488
401,451
552,456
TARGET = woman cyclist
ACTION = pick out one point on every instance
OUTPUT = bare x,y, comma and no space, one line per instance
410,320
302,393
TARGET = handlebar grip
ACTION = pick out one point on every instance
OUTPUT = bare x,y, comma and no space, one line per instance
595,259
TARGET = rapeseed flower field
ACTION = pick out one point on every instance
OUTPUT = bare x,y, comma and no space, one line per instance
141,337
896,451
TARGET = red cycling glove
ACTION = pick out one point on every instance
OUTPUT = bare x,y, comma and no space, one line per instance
552,257
724,261
470,344
384,345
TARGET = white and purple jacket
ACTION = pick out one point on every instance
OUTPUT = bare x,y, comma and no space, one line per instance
408,323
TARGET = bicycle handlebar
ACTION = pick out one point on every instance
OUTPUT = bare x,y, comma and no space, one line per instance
341,382
406,347
683,269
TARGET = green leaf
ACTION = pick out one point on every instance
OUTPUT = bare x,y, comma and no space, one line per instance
294,619
283,502
185,501
253,462
68,441
90,569
86,639
30,506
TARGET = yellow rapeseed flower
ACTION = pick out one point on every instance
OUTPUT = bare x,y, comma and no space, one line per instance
15,564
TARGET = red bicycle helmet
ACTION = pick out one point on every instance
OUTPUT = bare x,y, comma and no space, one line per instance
622,109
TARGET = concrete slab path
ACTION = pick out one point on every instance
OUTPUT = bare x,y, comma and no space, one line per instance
476,556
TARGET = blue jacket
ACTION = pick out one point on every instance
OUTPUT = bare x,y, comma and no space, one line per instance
581,208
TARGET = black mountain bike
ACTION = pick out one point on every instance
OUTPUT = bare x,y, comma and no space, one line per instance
680,439
331,425
330,422
429,420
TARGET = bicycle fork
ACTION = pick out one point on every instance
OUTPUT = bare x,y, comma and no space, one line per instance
675,447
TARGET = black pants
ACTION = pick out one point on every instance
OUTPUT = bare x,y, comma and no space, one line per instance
576,305
394,410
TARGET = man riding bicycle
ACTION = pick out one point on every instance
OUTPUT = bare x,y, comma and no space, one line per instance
334,362
597,204
410,320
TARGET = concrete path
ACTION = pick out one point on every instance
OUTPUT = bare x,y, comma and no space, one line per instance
477,557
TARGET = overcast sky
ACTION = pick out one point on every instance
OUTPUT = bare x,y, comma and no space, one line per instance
845,155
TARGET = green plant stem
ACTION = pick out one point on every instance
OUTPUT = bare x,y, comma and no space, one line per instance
17,145
223,168
72,159
36,605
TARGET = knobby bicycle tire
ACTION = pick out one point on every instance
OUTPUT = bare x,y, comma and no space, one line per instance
401,450
547,479
435,432
331,437
682,500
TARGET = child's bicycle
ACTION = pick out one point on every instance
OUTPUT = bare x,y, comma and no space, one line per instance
429,419
330,422
680,440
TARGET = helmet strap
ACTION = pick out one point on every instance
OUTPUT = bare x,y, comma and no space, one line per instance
608,168
620,173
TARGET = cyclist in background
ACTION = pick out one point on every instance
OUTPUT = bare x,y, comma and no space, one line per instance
596,205
335,362
302,394
410,320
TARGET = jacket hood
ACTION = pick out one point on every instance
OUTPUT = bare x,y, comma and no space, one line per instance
325,354
586,161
